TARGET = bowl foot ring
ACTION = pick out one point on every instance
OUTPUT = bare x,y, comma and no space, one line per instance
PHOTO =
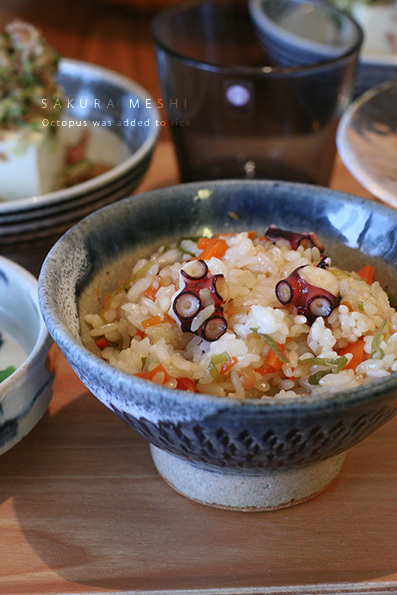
269,490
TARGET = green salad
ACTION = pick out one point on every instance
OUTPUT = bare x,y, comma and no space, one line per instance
28,65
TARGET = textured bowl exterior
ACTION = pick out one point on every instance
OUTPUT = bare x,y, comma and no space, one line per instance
25,395
213,432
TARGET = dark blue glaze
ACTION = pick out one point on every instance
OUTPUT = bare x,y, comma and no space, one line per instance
212,431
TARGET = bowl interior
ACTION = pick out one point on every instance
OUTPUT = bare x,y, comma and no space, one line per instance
121,117
299,33
20,316
100,250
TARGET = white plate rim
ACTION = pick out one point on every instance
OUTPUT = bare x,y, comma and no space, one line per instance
119,170
348,155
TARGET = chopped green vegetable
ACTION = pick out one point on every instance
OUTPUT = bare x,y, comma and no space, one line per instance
6,373
339,363
360,306
28,74
376,350
216,361
272,344
315,378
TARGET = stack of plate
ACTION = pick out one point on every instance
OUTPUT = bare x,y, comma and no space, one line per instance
124,135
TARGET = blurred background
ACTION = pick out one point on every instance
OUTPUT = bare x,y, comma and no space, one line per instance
111,33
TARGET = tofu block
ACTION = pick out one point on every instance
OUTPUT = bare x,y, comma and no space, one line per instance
30,162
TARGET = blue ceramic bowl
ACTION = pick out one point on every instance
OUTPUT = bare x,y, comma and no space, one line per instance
295,33
25,344
245,455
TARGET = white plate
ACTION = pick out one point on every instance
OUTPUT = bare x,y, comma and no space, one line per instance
90,85
367,141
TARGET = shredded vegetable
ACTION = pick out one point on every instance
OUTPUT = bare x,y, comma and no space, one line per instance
272,344
376,350
337,365
6,373
215,364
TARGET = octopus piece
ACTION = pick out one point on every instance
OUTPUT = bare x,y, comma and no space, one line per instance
310,290
307,240
201,294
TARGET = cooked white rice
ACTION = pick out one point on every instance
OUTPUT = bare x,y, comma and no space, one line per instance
138,333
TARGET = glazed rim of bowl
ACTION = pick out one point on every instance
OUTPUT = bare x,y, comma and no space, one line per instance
126,382
107,178
43,340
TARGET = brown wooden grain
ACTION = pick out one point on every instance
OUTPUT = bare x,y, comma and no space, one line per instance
82,508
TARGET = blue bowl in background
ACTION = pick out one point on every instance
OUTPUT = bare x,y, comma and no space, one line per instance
250,455
27,346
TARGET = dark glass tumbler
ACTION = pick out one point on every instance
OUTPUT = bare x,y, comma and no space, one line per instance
248,96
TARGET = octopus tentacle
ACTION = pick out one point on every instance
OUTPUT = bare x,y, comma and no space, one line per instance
294,239
307,299
199,290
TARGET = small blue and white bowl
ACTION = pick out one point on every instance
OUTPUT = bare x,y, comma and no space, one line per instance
25,344
246,455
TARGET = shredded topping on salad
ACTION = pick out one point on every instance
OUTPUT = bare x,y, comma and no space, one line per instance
28,65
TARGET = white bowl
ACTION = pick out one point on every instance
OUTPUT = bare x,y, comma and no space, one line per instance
24,396
367,141
87,82
30,226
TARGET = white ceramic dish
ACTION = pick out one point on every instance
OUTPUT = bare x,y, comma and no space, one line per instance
95,86
367,141
30,226
24,396
378,59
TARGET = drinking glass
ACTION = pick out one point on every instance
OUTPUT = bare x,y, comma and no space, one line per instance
255,89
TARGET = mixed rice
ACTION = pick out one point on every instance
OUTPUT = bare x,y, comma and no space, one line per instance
231,335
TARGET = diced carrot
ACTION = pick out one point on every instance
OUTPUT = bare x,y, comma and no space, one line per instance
227,366
152,321
367,273
150,375
213,250
251,234
186,384
203,243
357,350
140,334
102,343
262,370
150,293
272,361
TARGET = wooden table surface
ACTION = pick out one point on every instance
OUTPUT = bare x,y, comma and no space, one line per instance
82,508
